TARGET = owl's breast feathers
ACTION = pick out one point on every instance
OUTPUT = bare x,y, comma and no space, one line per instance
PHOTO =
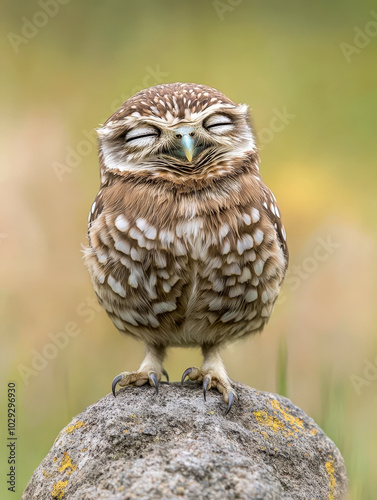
197,266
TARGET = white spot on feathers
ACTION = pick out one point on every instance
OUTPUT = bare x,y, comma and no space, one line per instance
224,230
133,279
258,236
245,275
102,257
166,237
255,215
160,260
116,286
228,316
162,307
251,295
123,246
218,285
232,269
236,291
135,255
258,267
149,231
226,247
246,219
121,223
244,243
127,316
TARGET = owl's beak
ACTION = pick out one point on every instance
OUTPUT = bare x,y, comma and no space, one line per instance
188,146
186,141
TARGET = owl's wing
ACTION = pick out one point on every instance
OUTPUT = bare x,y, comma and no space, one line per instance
96,209
272,210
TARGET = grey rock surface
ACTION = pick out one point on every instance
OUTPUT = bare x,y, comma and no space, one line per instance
175,446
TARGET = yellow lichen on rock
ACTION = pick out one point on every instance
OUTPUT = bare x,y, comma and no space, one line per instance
72,428
332,480
265,419
277,421
296,423
46,474
264,434
58,490
67,464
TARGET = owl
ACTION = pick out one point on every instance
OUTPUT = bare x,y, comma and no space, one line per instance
186,244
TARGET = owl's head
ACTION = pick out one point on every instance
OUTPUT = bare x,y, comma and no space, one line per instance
175,131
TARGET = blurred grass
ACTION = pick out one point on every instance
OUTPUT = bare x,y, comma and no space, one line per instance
282,370
321,166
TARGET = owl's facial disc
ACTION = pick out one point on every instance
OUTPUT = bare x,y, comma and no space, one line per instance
198,141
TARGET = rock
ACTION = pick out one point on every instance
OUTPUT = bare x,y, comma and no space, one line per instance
174,445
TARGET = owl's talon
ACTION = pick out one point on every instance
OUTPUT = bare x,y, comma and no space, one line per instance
185,374
166,375
230,403
211,378
117,379
153,381
137,378
206,381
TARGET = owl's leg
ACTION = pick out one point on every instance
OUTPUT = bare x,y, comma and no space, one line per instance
212,374
150,370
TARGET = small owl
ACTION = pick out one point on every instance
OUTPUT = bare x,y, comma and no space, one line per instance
186,244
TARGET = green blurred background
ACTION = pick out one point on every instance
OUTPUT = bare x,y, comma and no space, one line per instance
313,101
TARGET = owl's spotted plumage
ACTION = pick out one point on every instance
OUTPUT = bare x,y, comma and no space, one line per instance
186,244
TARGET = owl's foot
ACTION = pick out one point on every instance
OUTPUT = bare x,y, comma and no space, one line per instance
138,378
211,378
150,370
